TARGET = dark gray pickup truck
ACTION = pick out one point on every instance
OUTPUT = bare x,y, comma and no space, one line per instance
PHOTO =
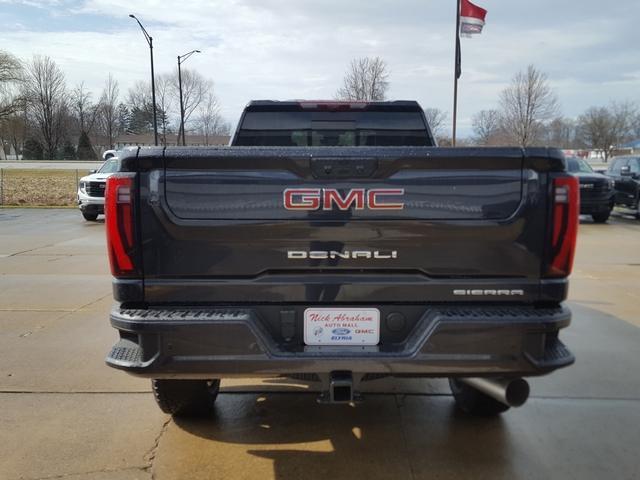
335,243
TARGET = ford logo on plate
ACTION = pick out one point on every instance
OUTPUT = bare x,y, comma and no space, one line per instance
341,331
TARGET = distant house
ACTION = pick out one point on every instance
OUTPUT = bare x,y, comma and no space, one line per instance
8,153
145,140
629,148
633,146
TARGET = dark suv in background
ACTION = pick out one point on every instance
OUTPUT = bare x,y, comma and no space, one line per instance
625,171
596,190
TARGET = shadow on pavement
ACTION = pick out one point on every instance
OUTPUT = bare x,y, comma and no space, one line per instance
375,439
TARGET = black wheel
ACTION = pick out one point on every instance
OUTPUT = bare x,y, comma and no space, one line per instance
90,217
474,402
601,217
186,398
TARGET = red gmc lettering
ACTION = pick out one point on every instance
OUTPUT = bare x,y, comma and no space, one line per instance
374,203
310,199
332,196
302,199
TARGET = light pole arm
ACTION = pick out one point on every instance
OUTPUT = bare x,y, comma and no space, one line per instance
144,31
183,58
149,40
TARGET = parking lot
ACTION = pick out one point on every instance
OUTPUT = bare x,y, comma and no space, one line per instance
64,414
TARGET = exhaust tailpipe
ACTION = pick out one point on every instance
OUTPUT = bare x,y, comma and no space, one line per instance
512,392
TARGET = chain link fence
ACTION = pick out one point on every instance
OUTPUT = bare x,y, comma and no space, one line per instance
39,188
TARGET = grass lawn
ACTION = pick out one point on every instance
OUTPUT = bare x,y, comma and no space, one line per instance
40,188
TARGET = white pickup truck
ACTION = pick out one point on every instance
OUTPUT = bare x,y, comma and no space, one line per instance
92,187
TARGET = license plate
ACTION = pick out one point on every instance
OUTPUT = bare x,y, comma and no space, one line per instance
341,326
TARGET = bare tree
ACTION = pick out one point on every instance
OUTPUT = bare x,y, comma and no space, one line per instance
139,96
85,111
605,127
636,126
209,119
109,109
195,89
367,79
164,102
47,103
560,132
486,127
526,104
436,119
12,104
11,76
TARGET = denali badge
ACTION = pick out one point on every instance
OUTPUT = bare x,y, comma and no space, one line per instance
330,254
328,198
488,293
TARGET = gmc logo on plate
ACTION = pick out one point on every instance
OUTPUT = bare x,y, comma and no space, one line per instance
311,199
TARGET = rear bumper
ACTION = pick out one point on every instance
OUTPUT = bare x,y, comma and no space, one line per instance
446,341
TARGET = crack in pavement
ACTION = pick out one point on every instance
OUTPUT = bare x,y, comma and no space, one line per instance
32,249
93,302
150,456
66,311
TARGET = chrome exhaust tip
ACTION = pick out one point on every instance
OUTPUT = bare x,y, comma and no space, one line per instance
512,392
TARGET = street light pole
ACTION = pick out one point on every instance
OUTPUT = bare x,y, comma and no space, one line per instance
149,39
181,60
181,103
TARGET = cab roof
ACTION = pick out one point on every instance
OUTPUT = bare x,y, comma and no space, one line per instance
323,105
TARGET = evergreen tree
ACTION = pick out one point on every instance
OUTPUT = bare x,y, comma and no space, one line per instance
85,150
32,150
141,120
124,117
67,152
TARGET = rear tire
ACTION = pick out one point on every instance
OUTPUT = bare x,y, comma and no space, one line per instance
90,217
473,402
186,398
601,217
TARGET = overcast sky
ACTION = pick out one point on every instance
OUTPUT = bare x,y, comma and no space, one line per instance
283,49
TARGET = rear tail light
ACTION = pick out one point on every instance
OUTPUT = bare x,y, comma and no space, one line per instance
566,211
120,224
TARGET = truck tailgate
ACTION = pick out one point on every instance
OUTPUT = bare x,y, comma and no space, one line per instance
215,227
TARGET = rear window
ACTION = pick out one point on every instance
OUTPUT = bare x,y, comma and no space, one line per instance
577,165
332,129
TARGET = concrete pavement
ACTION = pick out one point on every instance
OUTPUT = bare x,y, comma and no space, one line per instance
64,414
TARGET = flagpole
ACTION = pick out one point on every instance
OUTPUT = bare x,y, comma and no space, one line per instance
456,73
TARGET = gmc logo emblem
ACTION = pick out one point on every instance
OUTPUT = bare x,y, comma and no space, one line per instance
311,199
